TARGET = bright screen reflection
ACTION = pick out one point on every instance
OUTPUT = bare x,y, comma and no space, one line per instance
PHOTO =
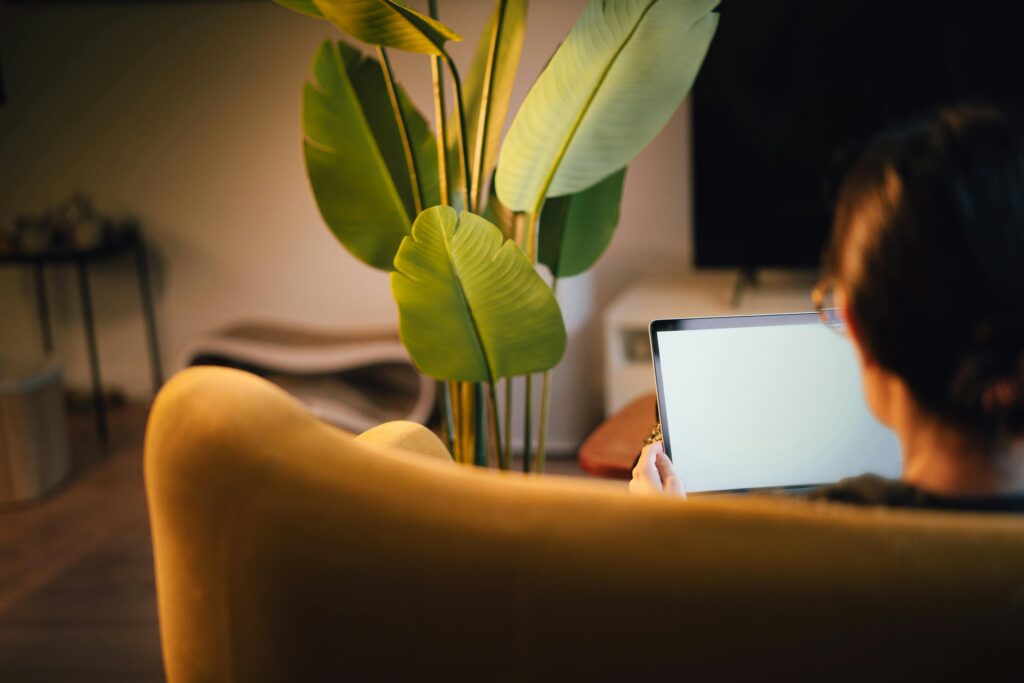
767,407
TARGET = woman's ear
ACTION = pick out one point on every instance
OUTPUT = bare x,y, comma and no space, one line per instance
853,330
880,385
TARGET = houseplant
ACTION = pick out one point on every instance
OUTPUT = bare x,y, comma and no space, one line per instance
474,308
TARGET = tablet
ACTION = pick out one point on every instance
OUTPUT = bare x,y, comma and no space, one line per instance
765,401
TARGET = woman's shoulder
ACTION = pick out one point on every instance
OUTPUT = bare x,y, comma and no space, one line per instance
871,489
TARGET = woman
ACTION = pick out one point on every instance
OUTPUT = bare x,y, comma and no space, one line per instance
926,269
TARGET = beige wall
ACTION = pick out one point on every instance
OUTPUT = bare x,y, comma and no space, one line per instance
187,116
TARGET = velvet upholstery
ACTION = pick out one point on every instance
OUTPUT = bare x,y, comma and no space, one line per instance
287,550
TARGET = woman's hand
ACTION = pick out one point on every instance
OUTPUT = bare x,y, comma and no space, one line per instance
654,473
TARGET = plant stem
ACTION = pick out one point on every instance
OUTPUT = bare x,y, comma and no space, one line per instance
440,120
460,114
518,228
531,236
496,428
545,390
480,153
479,426
508,420
527,423
466,435
403,129
458,438
531,223
453,408
442,128
447,422
456,392
469,418
473,403
542,432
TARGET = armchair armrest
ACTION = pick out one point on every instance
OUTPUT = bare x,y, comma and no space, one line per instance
406,436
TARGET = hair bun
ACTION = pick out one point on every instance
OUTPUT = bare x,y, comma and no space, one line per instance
1000,395
989,384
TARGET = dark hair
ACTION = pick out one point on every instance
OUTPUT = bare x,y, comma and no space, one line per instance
928,244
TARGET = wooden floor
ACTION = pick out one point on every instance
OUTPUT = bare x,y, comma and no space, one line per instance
77,597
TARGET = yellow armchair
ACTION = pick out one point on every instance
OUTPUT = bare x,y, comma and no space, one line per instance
288,550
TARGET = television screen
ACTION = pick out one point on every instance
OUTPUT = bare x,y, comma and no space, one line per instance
787,85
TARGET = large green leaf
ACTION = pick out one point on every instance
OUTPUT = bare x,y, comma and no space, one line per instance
306,7
388,24
354,155
471,306
502,36
575,229
608,90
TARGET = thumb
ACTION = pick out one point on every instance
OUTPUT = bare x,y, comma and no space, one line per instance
649,458
669,479
664,465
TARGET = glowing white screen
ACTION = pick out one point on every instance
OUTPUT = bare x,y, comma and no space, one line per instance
768,406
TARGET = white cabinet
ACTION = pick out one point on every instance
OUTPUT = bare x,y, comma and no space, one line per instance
628,370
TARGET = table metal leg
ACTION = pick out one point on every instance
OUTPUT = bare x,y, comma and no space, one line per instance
94,361
146,292
43,308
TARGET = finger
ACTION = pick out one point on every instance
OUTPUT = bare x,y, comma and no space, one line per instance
638,467
645,474
639,484
641,462
669,479
675,485
648,461
664,466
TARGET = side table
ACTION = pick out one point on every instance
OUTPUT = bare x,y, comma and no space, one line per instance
125,240
611,449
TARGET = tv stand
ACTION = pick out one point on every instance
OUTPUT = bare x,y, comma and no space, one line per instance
745,279
628,371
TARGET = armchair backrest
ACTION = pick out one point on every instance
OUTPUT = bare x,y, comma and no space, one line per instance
286,550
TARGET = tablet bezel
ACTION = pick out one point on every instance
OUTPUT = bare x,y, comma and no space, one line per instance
717,323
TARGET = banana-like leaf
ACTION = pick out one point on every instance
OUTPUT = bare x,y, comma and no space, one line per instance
389,24
306,7
575,229
471,306
608,90
354,155
503,35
